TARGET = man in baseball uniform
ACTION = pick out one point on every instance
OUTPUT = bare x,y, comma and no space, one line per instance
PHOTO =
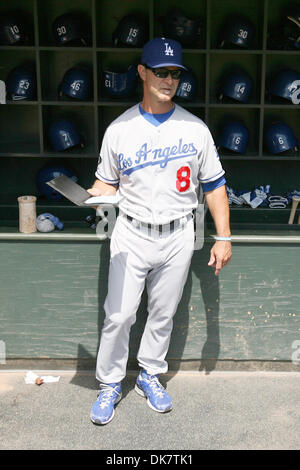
156,154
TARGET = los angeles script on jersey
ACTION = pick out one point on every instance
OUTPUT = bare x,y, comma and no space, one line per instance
158,156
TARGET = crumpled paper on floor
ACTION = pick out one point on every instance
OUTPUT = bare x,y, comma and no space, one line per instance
31,378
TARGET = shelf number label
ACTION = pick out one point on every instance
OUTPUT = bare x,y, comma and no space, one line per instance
133,32
61,30
65,136
186,87
76,86
243,34
183,179
14,29
24,84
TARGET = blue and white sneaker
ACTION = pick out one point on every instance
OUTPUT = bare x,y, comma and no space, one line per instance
103,410
148,386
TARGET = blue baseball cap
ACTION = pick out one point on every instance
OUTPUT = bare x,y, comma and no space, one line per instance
162,52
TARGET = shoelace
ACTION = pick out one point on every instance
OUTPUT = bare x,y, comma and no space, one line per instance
106,394
155,386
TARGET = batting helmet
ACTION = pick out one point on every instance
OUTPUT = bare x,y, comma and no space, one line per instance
236,85
237,31
76,84
181,28
48,173
286,85
132,31
14,29
279,138
187,86
63,135
71,29
21,83
234,136
120,84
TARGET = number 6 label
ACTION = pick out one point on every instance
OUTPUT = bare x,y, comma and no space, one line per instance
183,178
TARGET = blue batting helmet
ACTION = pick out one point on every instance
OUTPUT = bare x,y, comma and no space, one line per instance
63,135
48,173
237,31
21,83
176,25
72,29
14,29
76,84
279,137
236,85
120,84
187,86
234,136
286,84
132,31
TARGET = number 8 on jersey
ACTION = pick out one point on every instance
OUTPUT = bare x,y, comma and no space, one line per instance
183,178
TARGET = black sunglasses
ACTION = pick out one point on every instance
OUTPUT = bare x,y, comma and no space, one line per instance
164,73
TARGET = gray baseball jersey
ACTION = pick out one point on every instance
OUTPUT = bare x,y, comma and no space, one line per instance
158,168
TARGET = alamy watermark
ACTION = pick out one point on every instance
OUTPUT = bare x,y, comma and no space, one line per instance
107,216
2,352
296,354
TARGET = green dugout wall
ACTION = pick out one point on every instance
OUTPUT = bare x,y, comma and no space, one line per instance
53,285
53,291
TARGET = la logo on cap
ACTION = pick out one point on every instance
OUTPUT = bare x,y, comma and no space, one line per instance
162,52
168,50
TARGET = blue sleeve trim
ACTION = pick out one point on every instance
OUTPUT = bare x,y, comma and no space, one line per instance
213,184
220,172
105,180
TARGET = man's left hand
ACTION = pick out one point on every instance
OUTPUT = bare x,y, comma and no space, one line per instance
220,255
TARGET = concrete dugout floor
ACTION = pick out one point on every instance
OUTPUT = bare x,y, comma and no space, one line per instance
219,411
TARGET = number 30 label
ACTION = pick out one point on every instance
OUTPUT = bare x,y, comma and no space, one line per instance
183,178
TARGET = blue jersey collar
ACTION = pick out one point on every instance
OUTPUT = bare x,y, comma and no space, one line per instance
156,119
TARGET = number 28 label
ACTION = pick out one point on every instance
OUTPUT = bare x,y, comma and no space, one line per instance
183,178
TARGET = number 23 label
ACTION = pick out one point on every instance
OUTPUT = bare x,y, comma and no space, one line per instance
183,178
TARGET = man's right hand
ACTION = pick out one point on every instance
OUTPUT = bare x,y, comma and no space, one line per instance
94,192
